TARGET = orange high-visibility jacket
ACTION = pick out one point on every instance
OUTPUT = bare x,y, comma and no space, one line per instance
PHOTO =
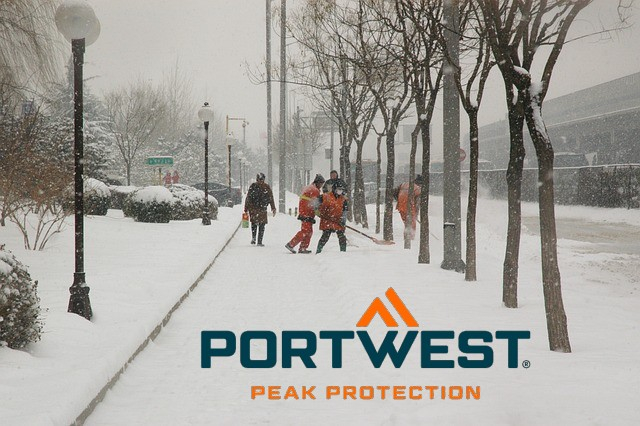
308,202
403,198
331,211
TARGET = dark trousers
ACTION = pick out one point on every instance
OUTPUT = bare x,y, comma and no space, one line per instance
257,227
342,240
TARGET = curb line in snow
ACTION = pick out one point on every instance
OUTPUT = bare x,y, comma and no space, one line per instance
154,333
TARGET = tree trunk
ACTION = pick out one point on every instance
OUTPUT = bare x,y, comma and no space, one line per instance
378,181
408,228
514,193
424,255
128,171
359,203
472,202
387,227
552,288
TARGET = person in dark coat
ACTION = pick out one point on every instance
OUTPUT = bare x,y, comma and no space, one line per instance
333,216
333,181
259,197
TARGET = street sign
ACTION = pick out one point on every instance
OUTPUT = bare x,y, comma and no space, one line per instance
463,154
160,161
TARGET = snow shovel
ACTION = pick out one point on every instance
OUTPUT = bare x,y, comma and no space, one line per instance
375,240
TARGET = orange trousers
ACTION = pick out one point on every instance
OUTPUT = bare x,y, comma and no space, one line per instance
303,236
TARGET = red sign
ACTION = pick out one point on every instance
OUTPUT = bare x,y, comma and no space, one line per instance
462,154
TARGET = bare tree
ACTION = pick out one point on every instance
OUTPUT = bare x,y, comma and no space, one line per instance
28,52
470,82
518,30
329,68
135,113
418,26
387,79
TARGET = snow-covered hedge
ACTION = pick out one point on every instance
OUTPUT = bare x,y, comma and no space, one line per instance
119,194
149,204
188,203
20,322
97,197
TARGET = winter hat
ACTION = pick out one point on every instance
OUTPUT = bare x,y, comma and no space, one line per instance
419,179
318,179
260,176
339,184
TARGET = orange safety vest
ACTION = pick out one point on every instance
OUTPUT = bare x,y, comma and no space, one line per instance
331,211
308,201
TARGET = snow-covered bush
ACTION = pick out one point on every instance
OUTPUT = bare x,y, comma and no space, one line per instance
149,204
188,203
97,197
119,194
19,303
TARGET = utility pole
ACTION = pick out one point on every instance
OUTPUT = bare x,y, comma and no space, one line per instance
451,146
268,65
282,171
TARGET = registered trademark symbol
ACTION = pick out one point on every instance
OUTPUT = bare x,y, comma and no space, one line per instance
526,363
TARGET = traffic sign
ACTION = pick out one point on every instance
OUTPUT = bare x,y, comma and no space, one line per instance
160,161
462,154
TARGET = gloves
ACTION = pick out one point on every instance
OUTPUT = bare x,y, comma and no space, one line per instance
274,212
343,219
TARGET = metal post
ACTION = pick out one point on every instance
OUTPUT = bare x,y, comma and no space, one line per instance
240,174
229,171
451,145
206,218
79,302
268,65
332,144
282,171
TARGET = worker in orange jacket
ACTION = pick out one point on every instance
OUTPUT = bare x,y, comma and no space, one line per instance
333,216
307,211
401,194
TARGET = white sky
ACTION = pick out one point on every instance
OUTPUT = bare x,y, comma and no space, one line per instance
212,39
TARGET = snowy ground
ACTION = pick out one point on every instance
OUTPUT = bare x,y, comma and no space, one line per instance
137,271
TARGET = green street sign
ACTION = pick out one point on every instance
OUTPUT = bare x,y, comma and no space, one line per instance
160,161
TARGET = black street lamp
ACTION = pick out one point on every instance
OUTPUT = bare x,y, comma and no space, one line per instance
206,114
78,23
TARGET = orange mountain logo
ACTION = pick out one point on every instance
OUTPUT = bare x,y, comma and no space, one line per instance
378,307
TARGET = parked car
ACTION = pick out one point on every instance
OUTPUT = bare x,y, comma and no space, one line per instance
222,194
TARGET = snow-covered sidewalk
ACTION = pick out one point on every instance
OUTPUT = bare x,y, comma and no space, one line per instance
269,289
136,272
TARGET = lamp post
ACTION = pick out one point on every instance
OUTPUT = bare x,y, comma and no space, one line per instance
231,141
205,114
78,23
241,159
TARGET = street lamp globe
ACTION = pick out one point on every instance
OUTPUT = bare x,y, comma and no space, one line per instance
76,20
205,113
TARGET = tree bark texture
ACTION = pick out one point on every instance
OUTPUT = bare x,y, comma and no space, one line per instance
551,282
514,193
472,202
424,255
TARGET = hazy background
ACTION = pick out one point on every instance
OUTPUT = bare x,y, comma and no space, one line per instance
211,40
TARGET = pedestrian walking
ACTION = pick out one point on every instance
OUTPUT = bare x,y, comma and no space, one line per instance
333,180
333,216
175,179
307,206
259,197
167,179
401,194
